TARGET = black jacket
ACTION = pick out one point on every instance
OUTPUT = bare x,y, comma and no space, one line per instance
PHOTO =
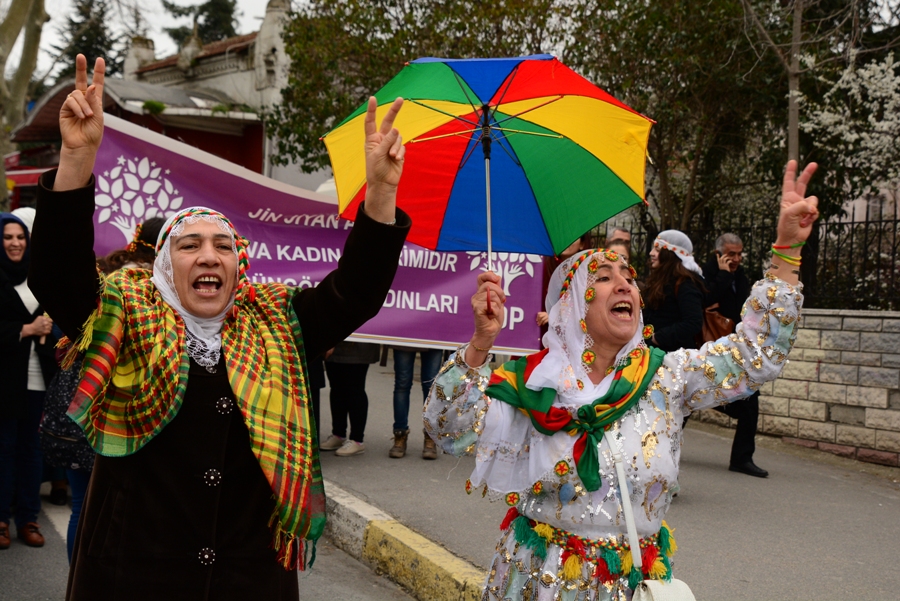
679,318
15,352
728,289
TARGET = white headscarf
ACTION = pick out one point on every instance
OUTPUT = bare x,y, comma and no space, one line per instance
680,244
204,339
563,368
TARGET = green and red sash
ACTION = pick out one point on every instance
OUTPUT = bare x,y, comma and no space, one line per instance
507,384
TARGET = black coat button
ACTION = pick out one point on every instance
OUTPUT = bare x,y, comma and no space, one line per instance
224,405
212,477
207,556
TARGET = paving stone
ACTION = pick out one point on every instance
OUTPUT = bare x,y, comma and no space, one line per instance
841,341
863,396
855,416
816,354
886,440
795,389
838,374
855,358
830,393
815,430
801,370
861,324
879,376
807,339
883,419
801,442
822,322
856,436
879,342
773,405
881,457
810,410
838,449
780,426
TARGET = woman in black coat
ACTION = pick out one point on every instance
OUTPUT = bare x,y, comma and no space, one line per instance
26,366
673,293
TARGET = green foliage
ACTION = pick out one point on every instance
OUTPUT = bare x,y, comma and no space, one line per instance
86,31
215,20
154,107
342,51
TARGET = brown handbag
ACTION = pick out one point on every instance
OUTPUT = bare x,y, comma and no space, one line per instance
715,325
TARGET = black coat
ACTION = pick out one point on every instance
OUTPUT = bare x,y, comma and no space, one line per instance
15,352
730,290
679,318
186,517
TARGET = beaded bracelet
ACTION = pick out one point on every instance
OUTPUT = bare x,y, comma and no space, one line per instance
479,349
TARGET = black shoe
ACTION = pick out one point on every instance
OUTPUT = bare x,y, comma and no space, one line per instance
59,496
749,468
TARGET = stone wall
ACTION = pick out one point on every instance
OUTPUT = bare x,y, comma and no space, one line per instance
840,391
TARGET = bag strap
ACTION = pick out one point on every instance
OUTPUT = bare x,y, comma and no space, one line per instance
633,540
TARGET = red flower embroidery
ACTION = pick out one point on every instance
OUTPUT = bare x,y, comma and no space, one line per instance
588,356
589,295
561,468
468,487
538,487
512,499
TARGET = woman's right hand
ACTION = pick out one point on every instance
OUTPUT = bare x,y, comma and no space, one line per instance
41,326
488,318
81,127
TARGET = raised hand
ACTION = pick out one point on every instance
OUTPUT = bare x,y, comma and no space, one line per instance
81,126
798,212
384,161
487,307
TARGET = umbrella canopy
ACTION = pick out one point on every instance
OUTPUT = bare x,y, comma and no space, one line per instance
565,154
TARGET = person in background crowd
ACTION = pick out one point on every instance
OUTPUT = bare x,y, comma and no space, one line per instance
404,364
673,293
206,484
548,430
618,233
551,263
729,286
27,365
347,368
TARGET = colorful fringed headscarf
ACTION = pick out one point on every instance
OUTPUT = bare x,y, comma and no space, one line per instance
136,370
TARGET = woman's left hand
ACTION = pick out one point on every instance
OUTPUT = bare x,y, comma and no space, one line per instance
798,212
384,162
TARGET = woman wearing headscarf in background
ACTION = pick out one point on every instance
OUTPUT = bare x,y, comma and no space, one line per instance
26,367
207,482
62,441
673,293
544,428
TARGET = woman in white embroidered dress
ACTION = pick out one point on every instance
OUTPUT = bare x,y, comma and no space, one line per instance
543,433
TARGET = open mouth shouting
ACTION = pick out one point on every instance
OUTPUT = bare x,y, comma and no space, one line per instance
207,284
623,310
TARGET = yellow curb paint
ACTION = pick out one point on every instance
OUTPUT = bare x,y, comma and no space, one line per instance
428,570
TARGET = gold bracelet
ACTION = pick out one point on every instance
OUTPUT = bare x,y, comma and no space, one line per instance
479,349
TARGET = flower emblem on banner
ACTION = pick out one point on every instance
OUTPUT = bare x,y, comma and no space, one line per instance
508,265
134,191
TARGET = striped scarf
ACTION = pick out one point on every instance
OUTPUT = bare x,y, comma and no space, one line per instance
136,372
632,376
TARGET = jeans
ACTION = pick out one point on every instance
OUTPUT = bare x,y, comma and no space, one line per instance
404,362
348,398
21,464
78,480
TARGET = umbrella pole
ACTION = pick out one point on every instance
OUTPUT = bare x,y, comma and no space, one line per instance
486,147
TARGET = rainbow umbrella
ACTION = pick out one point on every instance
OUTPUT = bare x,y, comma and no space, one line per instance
526,139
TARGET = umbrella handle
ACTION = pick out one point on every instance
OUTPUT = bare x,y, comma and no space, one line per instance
489,312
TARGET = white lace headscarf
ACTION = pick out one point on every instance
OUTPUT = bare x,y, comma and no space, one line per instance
680,244
563,367
204,334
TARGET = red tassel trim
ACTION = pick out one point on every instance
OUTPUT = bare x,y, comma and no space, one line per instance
648,557
511,515
602,572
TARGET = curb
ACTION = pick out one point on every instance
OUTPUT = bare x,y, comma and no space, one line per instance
429,571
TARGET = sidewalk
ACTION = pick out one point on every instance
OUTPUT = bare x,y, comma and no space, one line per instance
819,524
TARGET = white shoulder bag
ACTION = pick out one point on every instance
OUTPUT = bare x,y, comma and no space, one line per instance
648,590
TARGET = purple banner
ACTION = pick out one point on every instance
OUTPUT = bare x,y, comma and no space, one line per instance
296,237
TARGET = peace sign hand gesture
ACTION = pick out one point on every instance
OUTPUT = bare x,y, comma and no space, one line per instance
798,212
384,162
81,126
